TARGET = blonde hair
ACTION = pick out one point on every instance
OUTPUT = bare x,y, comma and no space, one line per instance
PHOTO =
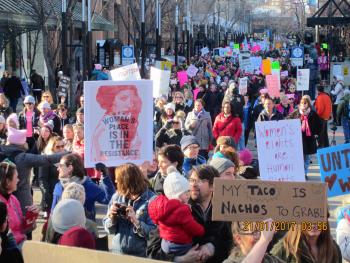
74,191
46,93
5,100
51,144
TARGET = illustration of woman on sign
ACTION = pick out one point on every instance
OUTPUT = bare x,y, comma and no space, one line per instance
115,136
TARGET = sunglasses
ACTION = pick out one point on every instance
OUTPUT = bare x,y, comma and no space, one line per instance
176,122
28,103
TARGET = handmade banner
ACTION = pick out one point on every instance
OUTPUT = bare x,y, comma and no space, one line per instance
192,71
255,63
129,72
284,73
117,128
280,150
255,200
204,51
273,85
63,86
166,65
182,77
334,168
243,85
303,77
275,65
160,81
266,66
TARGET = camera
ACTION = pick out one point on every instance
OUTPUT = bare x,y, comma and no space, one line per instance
121,210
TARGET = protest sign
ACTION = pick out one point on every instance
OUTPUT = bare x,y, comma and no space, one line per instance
236,46
129,72
266,66
165,65
273,85
160,81
182,77
204,51
243,85
284,73
255,200
245,65
192,71
337,70
39,252
63,86
280,150
275,65
117,129
303,76
255,63
334,168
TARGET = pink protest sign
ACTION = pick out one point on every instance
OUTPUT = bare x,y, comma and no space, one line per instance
273,85
182,77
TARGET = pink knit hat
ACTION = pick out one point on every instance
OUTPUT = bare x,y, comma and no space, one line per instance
12,117
17,137
264,91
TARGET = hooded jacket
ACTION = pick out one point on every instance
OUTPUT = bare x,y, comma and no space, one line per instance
227,126
176,223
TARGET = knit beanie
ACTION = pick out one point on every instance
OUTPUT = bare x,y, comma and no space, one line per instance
221,164
74,191
187,140
45,105
68,213
77,237
226,140
175,184
12,117
50,125
15,136
246,156
170,106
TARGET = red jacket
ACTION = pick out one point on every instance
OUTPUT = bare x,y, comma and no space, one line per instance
230,126
175,220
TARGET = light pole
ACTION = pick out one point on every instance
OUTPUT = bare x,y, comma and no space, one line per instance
143,40
89,35
176,32
83,37
158,30
64,38
188,31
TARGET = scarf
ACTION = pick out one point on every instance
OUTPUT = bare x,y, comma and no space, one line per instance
73,179
304,114
48,116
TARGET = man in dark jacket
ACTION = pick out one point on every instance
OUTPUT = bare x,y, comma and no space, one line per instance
216,243
38,85
13,90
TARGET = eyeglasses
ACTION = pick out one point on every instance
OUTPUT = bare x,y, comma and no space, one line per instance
197,181
60,165
28,103
256,234
46,96
193,147
178,98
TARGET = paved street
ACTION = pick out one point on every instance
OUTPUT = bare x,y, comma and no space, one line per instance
314,175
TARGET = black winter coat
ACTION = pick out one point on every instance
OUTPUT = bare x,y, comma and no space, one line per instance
13,88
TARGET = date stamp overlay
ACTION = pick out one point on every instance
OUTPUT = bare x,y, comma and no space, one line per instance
283,226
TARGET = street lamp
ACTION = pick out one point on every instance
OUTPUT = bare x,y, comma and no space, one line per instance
158,30
143,42
176,32
89,34
83,37
64,38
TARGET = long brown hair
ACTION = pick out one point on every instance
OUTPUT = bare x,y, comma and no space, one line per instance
293,243
130,180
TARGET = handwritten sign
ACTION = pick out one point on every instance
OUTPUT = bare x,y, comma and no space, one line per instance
280,150
117,130
273,84
182,77
160,81
243,85
334,168
284,73
63,86
129,72
204,51
192,71
303,77
255,63
255,200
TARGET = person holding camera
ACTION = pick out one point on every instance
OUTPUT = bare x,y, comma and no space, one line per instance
127,217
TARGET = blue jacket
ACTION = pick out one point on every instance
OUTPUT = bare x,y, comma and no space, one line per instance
93,193
189,163
127,239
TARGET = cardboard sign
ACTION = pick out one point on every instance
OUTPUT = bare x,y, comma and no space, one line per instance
255,62
334,168
129,72
243,86
266,66
284,73
160,81
117,119
255,200
303,77
280,150
273,85
192,71
39,252
63,86
182,77
166,65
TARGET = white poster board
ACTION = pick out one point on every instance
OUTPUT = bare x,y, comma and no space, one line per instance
243,85
280,150
204,51
303,77
129,72
160,80
192,71
117,122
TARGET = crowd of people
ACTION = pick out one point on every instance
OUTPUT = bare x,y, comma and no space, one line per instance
163,209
